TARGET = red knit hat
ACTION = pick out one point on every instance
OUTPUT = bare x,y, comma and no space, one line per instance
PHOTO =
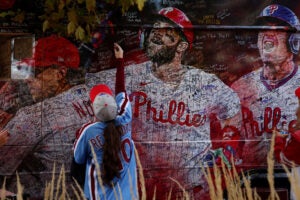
54,50
103,102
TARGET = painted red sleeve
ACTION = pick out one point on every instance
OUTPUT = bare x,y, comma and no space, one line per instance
292,148
120,76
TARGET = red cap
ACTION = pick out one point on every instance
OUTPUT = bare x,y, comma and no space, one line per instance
179,18
101,88
54,50
297,92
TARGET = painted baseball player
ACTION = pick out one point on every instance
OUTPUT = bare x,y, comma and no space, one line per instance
43,133
287,144
267,94
173,108
109,143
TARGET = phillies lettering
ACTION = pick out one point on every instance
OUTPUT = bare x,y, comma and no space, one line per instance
175,114
271,121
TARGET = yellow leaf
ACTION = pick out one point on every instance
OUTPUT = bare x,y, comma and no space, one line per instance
71,28
45,25
90,5
125,4
80,33
80,1
140,4
72,16
49,5
61,5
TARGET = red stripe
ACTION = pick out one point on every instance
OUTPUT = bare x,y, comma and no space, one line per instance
79,132
122,110
92,181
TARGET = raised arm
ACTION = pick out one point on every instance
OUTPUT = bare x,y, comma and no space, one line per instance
120,77
125,114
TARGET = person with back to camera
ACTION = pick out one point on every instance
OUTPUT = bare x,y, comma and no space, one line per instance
110,137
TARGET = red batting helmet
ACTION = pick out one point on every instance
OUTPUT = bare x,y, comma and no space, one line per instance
282,15
180,19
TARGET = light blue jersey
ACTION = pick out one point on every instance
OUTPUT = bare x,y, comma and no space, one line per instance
125,187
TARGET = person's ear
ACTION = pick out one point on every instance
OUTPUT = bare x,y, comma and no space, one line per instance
182,46
62,72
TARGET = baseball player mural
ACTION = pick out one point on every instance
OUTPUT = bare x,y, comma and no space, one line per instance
267,94
174,107
42,133
182,116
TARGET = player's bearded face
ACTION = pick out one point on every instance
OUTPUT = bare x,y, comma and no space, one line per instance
162,43
272,47
45,84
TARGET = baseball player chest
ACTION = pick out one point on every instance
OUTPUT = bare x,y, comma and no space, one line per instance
269,112
167,107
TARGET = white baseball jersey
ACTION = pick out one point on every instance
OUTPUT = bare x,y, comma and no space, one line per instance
47,129
265,108
171,125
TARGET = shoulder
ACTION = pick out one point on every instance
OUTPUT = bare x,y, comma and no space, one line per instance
199,74
72,96
206,80
87,127
138,68
107,75
121,95
252,78
254,75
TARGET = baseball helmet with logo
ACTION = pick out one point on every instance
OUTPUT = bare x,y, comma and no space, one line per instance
175,17
282,16
178,18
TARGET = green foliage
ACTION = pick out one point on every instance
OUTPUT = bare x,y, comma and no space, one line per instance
77,18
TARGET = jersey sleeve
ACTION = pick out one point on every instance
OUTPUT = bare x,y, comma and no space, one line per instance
289,153
81,146
124,109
